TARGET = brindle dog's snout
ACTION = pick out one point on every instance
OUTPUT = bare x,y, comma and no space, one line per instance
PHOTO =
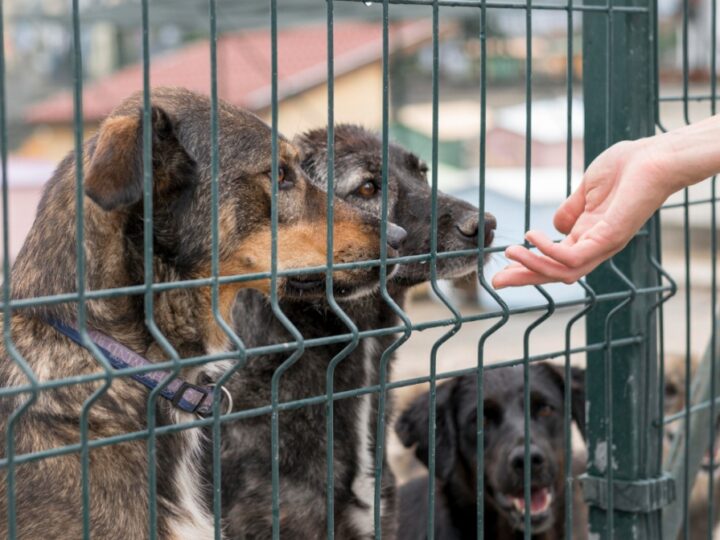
468,226
395,235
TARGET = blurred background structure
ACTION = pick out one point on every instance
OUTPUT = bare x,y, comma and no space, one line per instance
40,116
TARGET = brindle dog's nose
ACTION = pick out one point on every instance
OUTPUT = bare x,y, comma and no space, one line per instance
395,235
468,227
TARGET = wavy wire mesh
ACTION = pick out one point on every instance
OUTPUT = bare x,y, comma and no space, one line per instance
623,304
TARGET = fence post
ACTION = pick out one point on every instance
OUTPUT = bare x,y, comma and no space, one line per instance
622,395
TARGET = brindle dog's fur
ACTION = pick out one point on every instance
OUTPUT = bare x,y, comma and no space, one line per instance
246,460
456,464
48,492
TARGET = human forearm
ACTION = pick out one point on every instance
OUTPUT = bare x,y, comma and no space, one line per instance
687,155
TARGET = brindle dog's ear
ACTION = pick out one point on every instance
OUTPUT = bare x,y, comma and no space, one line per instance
114,176
577,389
413,429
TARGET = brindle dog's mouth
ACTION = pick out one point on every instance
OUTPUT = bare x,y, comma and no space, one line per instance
314,286
305,284
541,499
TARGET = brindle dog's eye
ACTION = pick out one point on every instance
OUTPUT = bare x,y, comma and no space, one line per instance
368,189
284,179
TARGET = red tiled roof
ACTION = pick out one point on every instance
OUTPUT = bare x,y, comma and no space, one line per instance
243,67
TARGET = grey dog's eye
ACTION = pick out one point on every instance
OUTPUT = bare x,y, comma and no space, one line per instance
368,189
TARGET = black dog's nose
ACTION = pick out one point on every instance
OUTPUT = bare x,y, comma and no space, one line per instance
468,227
395,235
517,459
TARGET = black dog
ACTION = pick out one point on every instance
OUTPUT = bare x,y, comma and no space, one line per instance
246,460
455,466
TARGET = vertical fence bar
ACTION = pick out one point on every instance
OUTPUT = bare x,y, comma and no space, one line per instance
567,420
527,469
7,312
215,272
329,294
387,354
713,279
80,265
148,277
629,115
686,485
480,434
432,424
274,298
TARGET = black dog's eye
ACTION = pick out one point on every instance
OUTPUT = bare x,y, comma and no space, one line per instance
545,410
368,189
491,415
671,390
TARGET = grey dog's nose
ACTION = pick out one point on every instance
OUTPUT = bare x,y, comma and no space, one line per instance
395,235
468,227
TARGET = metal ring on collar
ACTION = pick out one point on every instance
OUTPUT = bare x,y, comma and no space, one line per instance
228,397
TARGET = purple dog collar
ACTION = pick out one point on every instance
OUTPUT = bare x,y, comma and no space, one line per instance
189,397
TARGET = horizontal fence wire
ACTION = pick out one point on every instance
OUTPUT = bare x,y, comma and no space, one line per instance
512,5
315,400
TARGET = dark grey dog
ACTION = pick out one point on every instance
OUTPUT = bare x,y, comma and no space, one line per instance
504,420
246,445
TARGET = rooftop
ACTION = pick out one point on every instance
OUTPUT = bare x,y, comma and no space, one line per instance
243,67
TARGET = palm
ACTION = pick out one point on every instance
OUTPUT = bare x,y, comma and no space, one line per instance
599,218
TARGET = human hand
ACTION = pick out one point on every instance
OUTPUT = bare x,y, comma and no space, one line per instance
619,192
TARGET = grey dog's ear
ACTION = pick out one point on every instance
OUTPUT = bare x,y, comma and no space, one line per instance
114,175
577,390
413,429
312,145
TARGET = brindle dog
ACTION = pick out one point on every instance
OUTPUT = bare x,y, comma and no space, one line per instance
504,420
48,492
246,461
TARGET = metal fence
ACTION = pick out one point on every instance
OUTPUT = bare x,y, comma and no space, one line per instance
630,492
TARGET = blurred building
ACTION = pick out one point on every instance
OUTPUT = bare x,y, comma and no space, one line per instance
244,79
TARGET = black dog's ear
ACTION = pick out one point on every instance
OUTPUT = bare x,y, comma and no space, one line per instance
577,389
114,176
413,429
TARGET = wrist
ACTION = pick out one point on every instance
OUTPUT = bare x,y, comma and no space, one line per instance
661,164
688,155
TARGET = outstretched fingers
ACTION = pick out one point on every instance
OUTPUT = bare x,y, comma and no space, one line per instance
590,249
550,269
